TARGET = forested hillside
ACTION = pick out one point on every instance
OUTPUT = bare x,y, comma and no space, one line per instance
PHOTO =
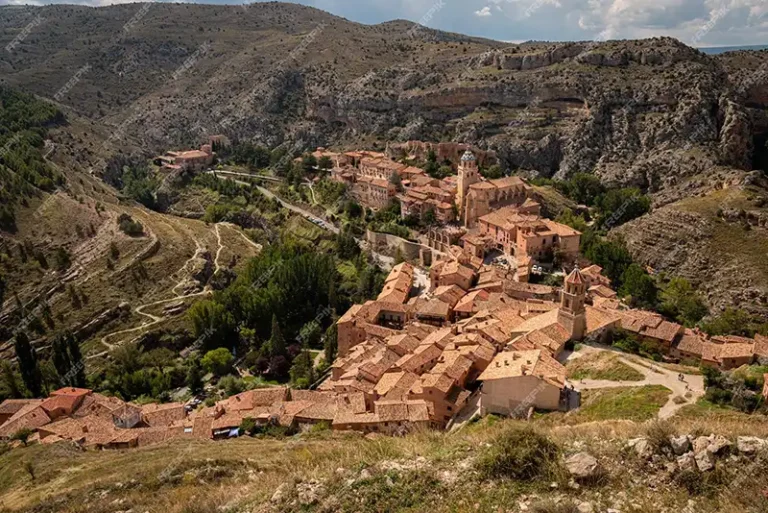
24,121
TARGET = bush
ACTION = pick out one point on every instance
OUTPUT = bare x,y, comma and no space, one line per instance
219,361
554,507
519,454
658,433
128,226
22,435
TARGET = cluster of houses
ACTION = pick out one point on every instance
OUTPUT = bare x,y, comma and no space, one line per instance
191,160
500,214
411,358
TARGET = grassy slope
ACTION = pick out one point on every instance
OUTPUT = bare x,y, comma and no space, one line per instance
602,366
632,403
243,475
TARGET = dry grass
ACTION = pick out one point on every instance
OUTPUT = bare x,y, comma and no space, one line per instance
243,474
603,366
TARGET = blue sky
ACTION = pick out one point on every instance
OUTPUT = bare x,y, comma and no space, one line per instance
695,22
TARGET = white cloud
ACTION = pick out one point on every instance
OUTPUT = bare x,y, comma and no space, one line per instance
485,11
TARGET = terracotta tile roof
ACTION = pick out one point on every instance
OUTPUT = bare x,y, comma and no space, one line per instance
312,395
449,294
252,398
512,364
395,384
354,403
30,416
691,343
156,415
71,392
710,352
734,350
761,345
602,291
60,404
422,356
403,343
11,406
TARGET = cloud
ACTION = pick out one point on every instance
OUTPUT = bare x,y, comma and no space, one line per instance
695,22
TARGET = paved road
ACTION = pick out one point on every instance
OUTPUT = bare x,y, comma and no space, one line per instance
656,375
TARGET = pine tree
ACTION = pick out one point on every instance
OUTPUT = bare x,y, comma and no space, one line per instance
76,358
195,377
2,291
276,339
28,365
330,343
9,380
60,359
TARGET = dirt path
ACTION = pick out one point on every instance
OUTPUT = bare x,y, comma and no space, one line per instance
686,392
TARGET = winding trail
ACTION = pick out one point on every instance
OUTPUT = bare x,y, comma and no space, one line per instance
685,392
154,319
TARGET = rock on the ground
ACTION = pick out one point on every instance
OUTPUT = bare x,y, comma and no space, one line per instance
750,444
705,461
687,461
717,444
582,465
310,492
680,444
642,447
701,444
586,507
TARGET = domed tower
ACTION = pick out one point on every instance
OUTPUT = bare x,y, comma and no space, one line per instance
572,314
468,174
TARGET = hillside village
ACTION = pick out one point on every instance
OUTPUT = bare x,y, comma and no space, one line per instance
477,339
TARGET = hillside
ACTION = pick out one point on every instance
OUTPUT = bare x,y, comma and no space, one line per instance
321,471
653,113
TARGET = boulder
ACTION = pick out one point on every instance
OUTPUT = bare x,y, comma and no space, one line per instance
642,448
750,444
687,461
705,461
717,444
680,444
281,493
582,465
701,444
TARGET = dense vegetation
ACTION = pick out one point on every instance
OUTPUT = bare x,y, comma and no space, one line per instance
24,121
131,175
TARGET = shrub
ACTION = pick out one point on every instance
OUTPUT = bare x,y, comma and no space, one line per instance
519,454
658,433
22,435
219,361
129,226
248,426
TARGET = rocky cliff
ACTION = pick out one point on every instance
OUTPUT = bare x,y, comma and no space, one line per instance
654,113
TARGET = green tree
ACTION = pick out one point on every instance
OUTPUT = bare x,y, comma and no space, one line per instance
619,206
567,217
195,376
276,343
732,321
492,172
28,365
218,361
681,302
330,343
78,364
395,180
212,324
640,287
2,291
611,255
60,358
10,383
325,162
302,371
308,164
585,188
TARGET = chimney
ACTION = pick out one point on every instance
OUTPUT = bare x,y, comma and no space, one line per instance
85,428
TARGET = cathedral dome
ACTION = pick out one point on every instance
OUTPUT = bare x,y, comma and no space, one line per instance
468,156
